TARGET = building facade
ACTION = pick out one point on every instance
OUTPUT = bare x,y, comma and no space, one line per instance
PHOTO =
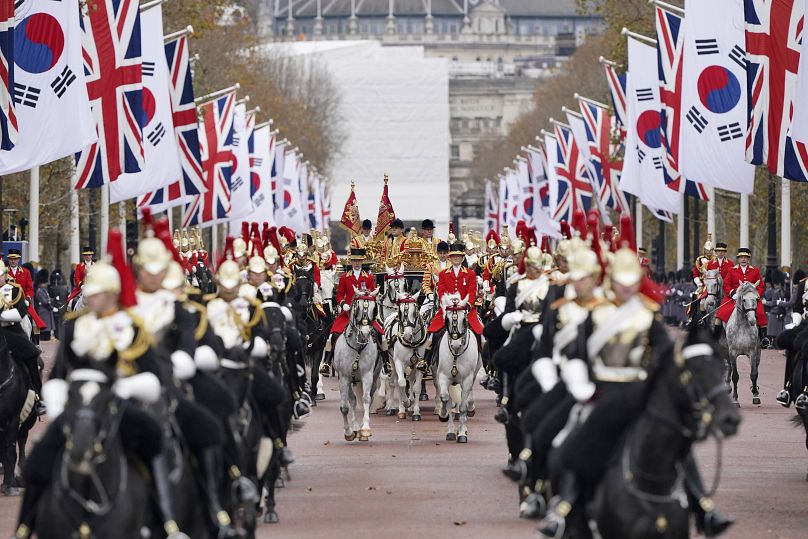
497,50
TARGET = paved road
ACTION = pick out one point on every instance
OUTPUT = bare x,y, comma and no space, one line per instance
408,481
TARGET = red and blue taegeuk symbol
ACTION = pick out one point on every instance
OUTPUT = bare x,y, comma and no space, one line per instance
38,43
528,206
149,107
287,199
719,89
255,183
648,128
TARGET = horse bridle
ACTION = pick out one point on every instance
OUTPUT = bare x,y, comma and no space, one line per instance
454,332
404,322
366,320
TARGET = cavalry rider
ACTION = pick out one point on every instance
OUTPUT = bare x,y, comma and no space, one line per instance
720,262
349,282
453,280
172,328
12,310
608,369
700,268
81,272
105,344
23,278
741,273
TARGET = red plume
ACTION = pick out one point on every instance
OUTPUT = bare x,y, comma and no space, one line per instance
492,235
531,237
593,223
565,229
118,260
254,231
579,222
545,244
452,230
627,232
652,290
245,232
228,253
148,222
163,233
256,249
521,230
265,234
272,233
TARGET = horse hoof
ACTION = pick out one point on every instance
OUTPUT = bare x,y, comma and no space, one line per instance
462,439
736,403
443,419
755,400
364,433
350,437
451,437
363,438
416,417
319,397
391,412
9,490
271,517
402,415
457,416
471,412
280,483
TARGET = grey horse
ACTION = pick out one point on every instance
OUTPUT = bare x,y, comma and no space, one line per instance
742,338
355,361
411,336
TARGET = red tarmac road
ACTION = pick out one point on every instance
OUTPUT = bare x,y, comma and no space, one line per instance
409,482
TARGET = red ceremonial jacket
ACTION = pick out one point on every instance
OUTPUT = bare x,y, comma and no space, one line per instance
734,277
465,284
345,295
723,266
23,278
78,278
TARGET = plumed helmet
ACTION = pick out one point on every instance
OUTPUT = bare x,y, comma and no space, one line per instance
708,245
625,268
152,256
270,254
3,268
534,257
492,240
257,264
583,262
505,239
103,277
517,246
239,247
175,277
228,275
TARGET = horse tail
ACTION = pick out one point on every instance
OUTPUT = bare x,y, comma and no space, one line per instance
797,421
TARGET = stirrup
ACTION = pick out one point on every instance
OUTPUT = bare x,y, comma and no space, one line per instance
801,402
552,526
784,398
325,369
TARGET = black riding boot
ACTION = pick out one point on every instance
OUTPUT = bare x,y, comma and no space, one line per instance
708,521
718,330
30,503
32,366
328,356
165,502
211,470
764,341
554,525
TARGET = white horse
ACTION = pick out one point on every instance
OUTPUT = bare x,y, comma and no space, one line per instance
459,361
395,283
355,354
410,334
742,337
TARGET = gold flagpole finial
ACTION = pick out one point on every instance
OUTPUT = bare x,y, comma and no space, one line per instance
386,179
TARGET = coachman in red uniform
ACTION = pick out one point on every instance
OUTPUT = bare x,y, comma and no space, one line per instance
720,262
81,272
23,278
741,273
350,281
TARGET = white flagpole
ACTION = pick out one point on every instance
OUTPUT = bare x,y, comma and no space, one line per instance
639,225
122,222
104,228
710,211
214,241
74,226
744,237
680,234
33,216
785,223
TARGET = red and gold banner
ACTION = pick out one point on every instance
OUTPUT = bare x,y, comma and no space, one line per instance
350,220
386,212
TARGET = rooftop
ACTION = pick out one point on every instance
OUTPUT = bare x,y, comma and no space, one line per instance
404,8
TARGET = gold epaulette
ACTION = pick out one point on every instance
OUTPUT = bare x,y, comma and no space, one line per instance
141,343
72,315
649,304
209,297
202,326
16,300
258,315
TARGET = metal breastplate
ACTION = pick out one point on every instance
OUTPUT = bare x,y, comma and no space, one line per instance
624,357
530,294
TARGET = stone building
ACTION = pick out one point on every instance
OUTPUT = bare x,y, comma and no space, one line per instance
497,49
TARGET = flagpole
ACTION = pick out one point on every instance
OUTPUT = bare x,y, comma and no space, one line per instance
579,97
711,211
639,37
608,62
669,7
189,30
199,101
33,216
744,233
74,226
104,216
122,222
639,224
148,5
785,223
680,233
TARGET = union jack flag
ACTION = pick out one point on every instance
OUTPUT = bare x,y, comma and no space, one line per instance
572,172
8,118
255,179
670,46
113,71
491,208
774,30
216,144
597,121
185,129
537,168
617,89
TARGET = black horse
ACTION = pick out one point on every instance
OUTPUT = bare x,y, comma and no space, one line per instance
642,492
97,491
313,327
14,384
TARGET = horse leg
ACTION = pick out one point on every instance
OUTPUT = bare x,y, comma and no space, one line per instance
10,458
272,475
753,375
735,377
415,386
367,398
22,441
465,393
345,393
401,381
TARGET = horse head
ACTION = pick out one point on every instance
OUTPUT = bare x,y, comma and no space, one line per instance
394,282
363,311
407,313
696,380
277,318
713,286
746,299
90,406
455,311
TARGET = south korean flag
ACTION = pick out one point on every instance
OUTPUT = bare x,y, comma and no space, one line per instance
714,96
50,94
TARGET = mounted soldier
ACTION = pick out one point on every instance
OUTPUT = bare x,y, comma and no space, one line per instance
700,267
743,272
80,274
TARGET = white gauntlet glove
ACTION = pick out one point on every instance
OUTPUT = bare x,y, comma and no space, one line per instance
144,387
54,395
346,307
576,376
205,358
184,367
511,319
259,349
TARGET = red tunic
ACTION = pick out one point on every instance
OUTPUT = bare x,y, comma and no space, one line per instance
465,284
78,278
736,276
23,278
723,266
345,294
